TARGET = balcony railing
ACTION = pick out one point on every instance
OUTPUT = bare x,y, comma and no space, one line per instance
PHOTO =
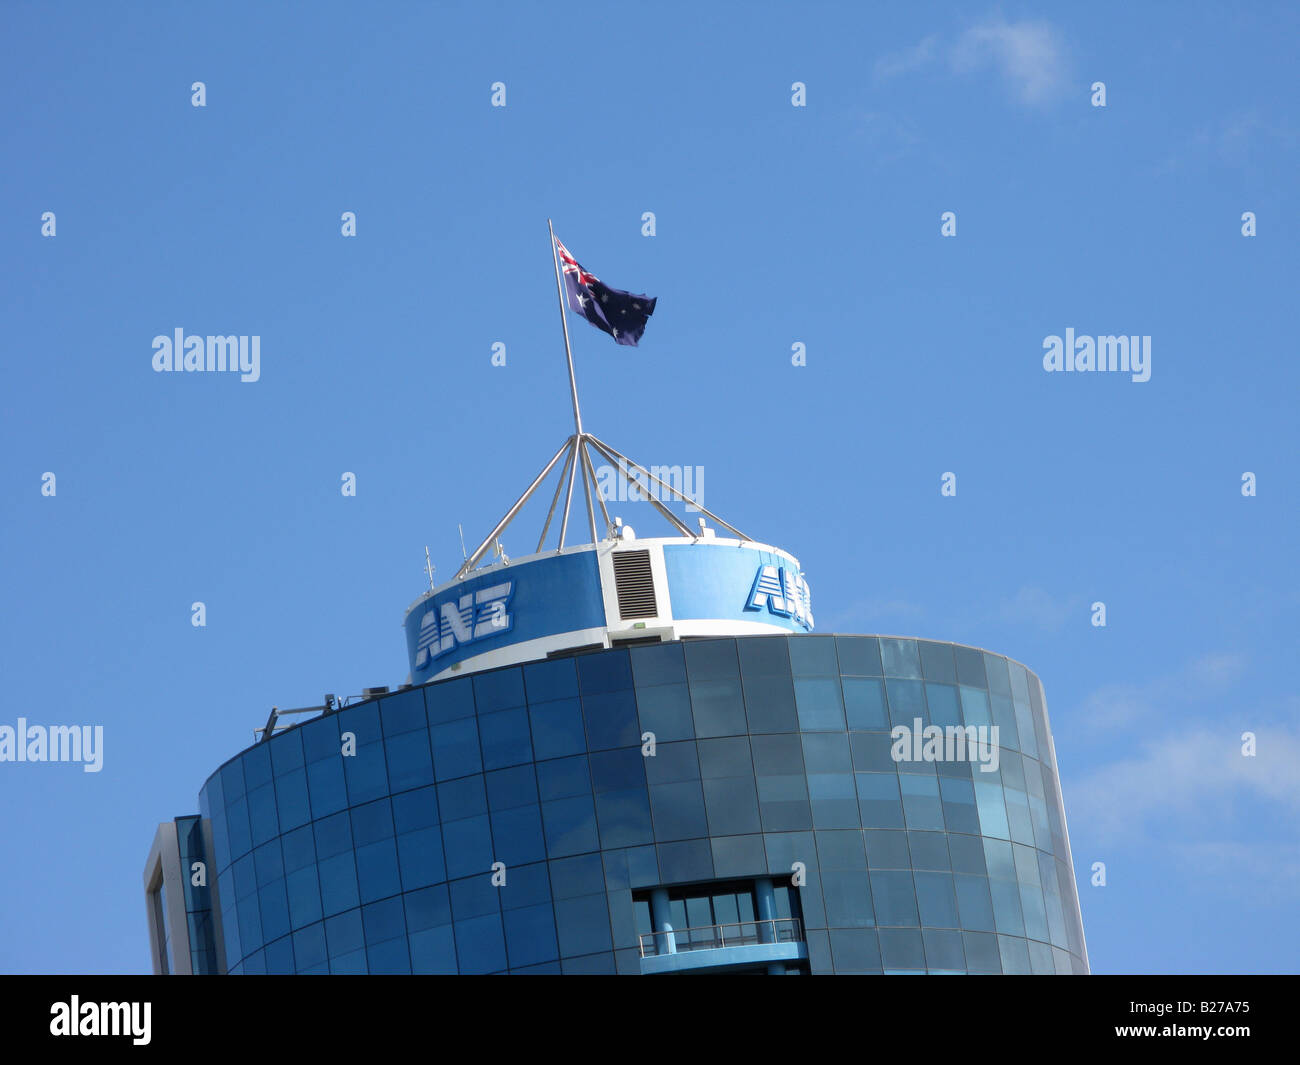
715,936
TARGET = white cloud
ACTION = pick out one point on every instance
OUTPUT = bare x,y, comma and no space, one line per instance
1035,606
909,59
1029,55
1193,776
1115,706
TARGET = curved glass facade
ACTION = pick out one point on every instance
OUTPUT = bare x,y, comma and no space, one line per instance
560,815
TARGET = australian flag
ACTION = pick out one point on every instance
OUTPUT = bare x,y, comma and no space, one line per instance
620,314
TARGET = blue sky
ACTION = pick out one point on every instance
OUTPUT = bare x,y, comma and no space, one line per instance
775,225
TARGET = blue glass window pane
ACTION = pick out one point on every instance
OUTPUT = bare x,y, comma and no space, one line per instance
970,667
820,704
279,958
557,728
338,883
455,749
325,786
526,885
433,950
665,710
286,752
563,778
388,959
937,662
732,806
871,752
678,810
505,738
864,704
960,813
769,701
859,656
833,799
1015,955
530,935
943,950
718,706
900,658
427,909
402,713
603,673
1004,717
1025,729
921,804
551,680
943,704
582,925
906,702
938,903
468,847
1035,914
309,947
982,952
291,799
415,809
894,897
611,719
888,850
320,737
992,810
333,835
813,656
661,663
377,874
344,934
449,700
517,835
419,857
624,817
975,707
1006,907
410,764
383,920
303,890
372,822
1018,820
508,788
275,911
995,666
879,802
848,898
366,773
241,840
257,767
480,944
901,949
498,690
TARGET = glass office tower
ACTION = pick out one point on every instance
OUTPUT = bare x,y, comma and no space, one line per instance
731,804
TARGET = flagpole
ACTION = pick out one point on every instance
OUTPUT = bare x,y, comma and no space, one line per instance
559,292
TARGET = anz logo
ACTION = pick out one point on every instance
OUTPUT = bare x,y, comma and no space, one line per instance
475,616
783,592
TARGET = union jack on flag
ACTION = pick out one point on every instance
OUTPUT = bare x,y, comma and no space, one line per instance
621,314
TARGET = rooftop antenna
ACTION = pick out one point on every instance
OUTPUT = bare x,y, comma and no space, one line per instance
428,566
464,555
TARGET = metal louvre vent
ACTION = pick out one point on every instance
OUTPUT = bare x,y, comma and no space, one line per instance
635,585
